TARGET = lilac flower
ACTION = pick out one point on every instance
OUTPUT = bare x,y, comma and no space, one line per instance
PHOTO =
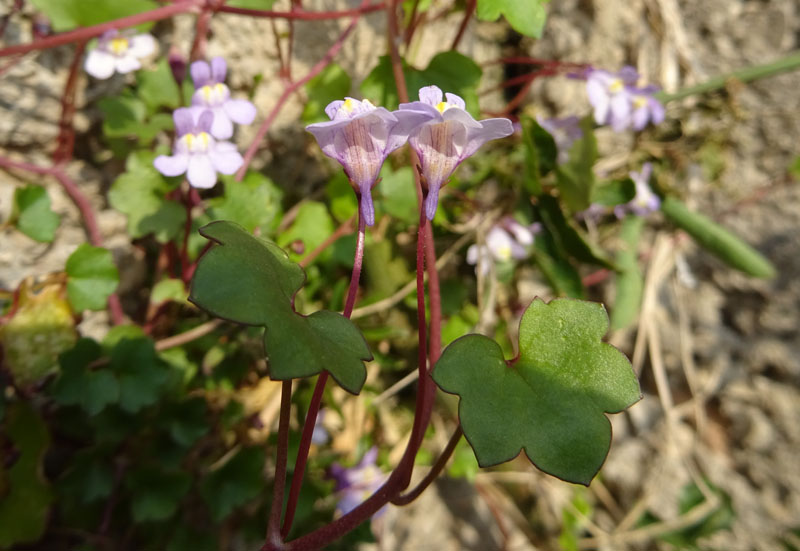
448,136
211,93
360,136
356,484
592,214
507,240
565,132
645,107
196,152
618,102
645,201
118,52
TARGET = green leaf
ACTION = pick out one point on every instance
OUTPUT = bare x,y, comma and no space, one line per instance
252,281
157,87
238,481
26,496
341,197
91,389
397,195
33,215
156,493
168,289
613,193
141,373
255,202
575,179
126,117
568,237
450,71
140,194
717,240
311,227
90,477
68,14
187,421
629,285
540,154
550,400
91,277
525,16
562,276
331,84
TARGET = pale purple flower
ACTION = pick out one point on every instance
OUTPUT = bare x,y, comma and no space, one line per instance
565,132
355,484
211,93
645,108
196,152
360,136
118,52
592,214
448,136
618,102
505,241
645,201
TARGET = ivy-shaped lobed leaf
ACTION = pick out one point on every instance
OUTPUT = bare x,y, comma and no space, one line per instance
252,281
525,16
33,215
551,399
91,277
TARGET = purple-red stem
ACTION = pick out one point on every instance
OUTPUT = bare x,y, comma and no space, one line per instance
198,50
315,70
435,471
303,15
274,522
86,33
468,11
65,142
319,388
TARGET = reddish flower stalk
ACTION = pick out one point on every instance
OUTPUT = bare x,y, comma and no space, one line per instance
303,15
274,523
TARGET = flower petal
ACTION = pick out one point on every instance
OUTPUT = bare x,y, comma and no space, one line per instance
225,158
201,173
201,73
639,118
432,200
184,120
171,165
367,207
205,119
439,146
240,111
141,45
219,69
221,127
431,95
127,64
407,122
100,64
491,129
455,100
333,108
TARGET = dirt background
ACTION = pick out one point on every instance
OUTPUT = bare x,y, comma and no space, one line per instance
718,353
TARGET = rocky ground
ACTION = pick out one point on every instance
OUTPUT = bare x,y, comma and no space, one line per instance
718,353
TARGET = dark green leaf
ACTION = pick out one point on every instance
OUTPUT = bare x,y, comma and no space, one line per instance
613,193
397,195
91,389
450,71
575,179
717,240
629,280
255,202
90,477
156,494
141,373
525,16
331,84
568,237
562,276
91,277
157,87
26,496
140,194
540,154
252,281
187,421
238,481
33,215
68,14
551,399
